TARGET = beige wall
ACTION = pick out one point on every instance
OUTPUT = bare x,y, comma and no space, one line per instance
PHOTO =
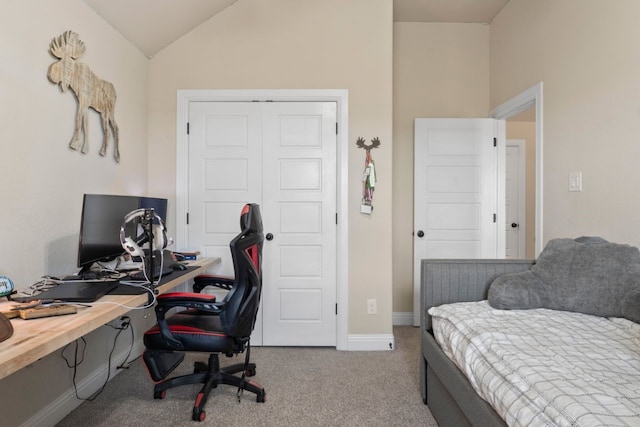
298,45
586,54
440,70
43,181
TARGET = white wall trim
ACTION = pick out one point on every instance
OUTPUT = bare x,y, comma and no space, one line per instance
403,318
57,410
531,97
500,132
341,97
371,342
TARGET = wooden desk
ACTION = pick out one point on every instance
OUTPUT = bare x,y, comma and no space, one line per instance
35,338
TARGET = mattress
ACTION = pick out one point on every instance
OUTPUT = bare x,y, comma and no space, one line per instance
544,367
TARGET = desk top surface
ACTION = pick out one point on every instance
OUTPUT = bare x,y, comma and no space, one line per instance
35,338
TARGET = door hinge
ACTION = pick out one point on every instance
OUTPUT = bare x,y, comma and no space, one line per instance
495,142
336,128
495,218
187,218
336,218
187,128
336,309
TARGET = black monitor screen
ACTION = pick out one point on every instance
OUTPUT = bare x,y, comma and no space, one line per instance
102,217
158,205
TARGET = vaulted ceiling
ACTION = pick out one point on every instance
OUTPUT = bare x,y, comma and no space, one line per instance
152,25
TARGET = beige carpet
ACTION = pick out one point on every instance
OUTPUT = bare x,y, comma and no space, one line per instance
304,386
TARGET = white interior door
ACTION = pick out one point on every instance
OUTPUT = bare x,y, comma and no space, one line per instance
455,192
282,156
299,194
515,221
225,173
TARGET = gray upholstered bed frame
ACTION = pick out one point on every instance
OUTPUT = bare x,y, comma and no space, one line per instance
450,397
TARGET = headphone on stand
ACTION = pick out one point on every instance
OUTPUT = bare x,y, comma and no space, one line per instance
160,240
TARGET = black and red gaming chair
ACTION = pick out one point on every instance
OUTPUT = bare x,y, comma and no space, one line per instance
210,326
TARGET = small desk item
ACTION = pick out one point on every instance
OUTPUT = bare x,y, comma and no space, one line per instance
6,329
6,286
78,291
47,311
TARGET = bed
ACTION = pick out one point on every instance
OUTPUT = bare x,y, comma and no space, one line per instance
446,390
453,300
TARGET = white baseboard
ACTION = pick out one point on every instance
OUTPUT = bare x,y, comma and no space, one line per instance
370,342
53,413
403,318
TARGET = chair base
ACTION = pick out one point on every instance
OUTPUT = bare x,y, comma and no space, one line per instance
161,363
210,375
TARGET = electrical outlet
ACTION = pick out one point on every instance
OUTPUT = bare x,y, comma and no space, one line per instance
372,306
123,322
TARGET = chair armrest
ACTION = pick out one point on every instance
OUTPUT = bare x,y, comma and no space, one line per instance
203,302
170,297
202,281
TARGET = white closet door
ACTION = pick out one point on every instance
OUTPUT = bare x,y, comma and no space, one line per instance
300,200
225,172
281,155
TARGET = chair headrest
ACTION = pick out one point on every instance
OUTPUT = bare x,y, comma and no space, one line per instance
251,219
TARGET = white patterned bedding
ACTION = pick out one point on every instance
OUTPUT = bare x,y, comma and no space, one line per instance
544,367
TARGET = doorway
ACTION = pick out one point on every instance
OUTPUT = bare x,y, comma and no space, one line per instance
530,102
515,198
340,100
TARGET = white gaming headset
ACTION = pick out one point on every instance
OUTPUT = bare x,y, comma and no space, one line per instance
160,240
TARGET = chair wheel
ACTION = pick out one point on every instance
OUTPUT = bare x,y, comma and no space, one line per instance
250,372
261,398
160,394
199,415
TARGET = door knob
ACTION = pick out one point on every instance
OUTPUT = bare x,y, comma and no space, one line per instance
514,225
269,237
420,233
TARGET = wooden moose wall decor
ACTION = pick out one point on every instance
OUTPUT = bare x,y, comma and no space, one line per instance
90,91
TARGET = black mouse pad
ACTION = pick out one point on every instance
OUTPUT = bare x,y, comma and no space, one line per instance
80,291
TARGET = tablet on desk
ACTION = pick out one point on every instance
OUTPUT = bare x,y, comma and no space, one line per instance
78,291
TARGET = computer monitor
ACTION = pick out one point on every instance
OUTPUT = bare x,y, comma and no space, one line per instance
158,205
102,217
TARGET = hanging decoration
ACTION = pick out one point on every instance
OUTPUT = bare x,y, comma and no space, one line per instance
90,90
369,177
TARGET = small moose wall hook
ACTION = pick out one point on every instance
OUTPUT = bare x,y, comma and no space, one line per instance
369,177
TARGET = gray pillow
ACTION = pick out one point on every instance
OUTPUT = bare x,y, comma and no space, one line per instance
587,275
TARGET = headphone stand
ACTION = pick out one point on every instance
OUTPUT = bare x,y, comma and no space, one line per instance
145,220
147,227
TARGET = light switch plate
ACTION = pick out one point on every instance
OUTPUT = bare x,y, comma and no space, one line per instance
575,181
